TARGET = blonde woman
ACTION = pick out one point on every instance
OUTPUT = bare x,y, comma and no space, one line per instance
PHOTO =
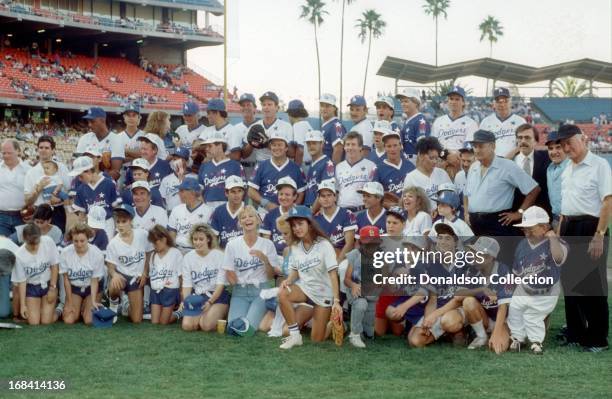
158,123
416,204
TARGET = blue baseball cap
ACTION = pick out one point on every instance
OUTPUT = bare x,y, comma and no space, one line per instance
190,184
127,208
103,317
240,327
483,136
501,92
300,212
215,104
450,198
192,305
269,95
247,97
456,90
552,137
358,100
295,105
190,108
467,147
182,152
133,107
567,131
95,112
399,212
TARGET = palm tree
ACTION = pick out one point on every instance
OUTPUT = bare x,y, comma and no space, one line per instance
313,12
370,26
570,87
492,30
435,8
344,3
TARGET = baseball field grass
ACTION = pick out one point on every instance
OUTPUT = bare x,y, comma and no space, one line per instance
155,361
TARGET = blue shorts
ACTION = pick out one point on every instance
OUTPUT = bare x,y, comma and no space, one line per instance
166,297
36,291
129,285
223,299
84,292
414,314
271,304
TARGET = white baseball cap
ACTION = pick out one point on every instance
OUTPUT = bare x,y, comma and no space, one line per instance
152,138
385,100
327,184
488,245
533,216
96,217
140,184
234,181
92,150
314,135
80,165
276,135
141,163
373,188
286,181
409,92
381,126
391,133
215,137
446,187
327,98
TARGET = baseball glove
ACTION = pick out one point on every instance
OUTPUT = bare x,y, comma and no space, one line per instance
257,136
390,199
337,327
105,163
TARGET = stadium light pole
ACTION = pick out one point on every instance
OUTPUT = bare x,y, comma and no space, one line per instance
225,51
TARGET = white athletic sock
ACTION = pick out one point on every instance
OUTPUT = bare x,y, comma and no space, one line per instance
479,329
114,304
294,329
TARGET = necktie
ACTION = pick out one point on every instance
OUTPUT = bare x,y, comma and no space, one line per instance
527,165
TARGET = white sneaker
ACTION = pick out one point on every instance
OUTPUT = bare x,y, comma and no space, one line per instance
515,346
536,348
114,307
478,342
291,341
356,341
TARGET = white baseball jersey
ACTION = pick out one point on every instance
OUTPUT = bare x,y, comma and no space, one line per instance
460,181
300,129
248,268
452,133
418,226
36,173
505,131
152,216
35,268
350,178
111,143
129,259
428,183
227,130
168,189
203,273
364,127
182,220
313,266
131,142
164,271
81,269
278,127
237,138
188,136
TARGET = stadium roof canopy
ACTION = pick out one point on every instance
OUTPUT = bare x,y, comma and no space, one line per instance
490,68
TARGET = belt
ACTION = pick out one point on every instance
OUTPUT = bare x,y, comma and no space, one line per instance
248,164
579,218
11,213
482,214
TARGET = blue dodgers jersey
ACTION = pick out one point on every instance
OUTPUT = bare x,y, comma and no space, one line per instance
225,225
157,172
321,170
444,290
212,177
103,194
156,198
335,227
536,261
392,176
332,132
363,220
269,227
413,129
503,292
266,175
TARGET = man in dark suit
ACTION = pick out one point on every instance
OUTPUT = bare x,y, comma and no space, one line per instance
533,162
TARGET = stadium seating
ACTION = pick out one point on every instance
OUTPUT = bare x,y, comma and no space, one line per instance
576,109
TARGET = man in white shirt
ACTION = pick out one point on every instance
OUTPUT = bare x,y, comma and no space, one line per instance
353,173
12,177
237,138
129,137
454,128
503,123
192,127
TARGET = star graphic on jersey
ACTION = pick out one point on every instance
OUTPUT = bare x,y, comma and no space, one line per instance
390,180
363,168
463,123
223,171
543,256
201,216
513,123
339,227
101,195
156,174
152,220
268,180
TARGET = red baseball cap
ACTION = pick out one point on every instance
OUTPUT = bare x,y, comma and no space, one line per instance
369,234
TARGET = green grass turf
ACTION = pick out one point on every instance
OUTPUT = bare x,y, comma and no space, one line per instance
151,361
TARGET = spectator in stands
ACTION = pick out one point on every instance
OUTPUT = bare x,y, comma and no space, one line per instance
35,181
603,118
12,177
